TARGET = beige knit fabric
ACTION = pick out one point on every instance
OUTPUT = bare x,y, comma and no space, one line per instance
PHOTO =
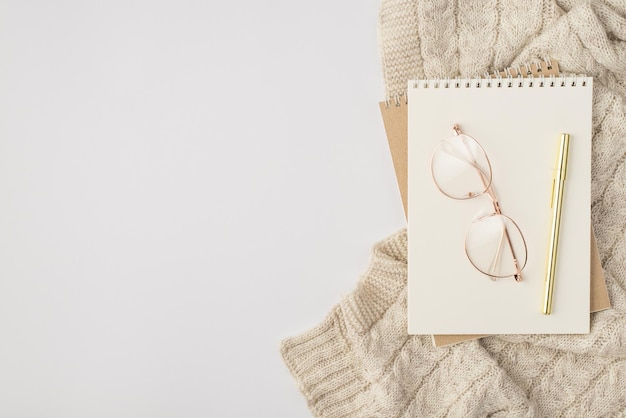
360,362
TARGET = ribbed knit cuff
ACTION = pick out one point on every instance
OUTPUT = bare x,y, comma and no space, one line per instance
326,369
324,361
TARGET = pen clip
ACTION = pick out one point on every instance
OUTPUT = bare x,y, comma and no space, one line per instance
552,194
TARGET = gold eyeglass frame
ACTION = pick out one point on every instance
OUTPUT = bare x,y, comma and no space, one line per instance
489,191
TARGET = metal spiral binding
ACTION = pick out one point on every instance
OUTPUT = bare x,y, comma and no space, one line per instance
506,78
397,100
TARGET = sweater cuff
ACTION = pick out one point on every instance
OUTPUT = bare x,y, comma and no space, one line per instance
325,368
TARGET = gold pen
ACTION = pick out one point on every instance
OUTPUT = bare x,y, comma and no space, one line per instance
556,203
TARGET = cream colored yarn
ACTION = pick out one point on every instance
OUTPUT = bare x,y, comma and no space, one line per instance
360,362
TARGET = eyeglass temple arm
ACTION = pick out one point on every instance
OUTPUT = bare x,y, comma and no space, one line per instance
496,258
496,205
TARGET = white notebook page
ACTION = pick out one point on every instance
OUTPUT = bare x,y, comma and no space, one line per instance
519,128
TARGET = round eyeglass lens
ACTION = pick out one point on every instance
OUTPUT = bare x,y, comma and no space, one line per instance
494,244
460,167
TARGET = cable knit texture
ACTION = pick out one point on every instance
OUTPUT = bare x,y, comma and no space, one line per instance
360,362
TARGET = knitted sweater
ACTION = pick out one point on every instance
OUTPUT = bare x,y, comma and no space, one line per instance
360,362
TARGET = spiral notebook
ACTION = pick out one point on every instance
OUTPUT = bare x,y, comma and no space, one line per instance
518,122
394,113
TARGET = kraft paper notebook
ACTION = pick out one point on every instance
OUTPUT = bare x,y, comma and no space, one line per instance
394,115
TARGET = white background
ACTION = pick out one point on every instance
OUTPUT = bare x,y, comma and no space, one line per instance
182,185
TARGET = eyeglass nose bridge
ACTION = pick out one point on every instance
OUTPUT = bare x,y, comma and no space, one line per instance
494,200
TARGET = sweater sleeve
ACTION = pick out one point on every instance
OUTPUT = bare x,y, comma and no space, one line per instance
361,362
327,366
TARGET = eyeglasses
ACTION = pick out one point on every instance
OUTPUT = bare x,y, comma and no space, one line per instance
494,244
